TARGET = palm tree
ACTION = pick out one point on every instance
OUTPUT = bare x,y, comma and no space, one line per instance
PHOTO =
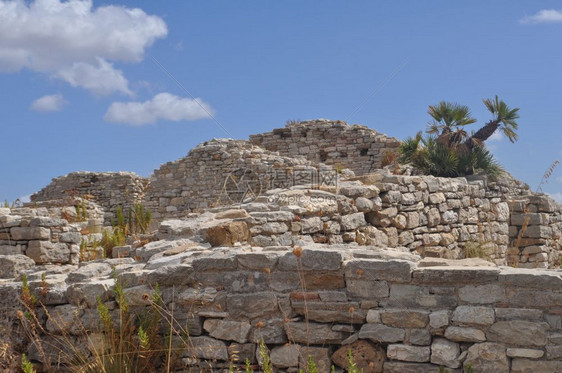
504,118
448,122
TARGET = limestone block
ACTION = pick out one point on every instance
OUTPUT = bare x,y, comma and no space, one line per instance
445,353
228,330
12,265
30,233
487,357
47,252
408,353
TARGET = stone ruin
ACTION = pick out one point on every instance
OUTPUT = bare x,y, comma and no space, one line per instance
410,273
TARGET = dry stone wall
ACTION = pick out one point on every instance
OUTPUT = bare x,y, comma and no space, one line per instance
207,176
535,232
37,236
108,189
394,315
357,147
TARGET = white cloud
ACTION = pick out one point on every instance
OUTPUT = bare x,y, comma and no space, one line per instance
164,106
48,103
556,196
63,39
544,16
101,80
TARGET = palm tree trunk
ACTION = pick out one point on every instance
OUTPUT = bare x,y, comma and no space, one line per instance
485,132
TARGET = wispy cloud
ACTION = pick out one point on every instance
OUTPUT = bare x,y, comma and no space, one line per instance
544,16
163,106
48,103
75,42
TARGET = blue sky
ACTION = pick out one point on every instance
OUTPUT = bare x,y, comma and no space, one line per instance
84,85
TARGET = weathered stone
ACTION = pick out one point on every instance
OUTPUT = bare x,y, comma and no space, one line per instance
403,352
227,330
285,356
439,319
518,332
368,357
446,275
272,331
311,259
252,305
540,279
232,214
403,295
358,190
482,294
525,352
12,265
367,289
47,252
381,333
353,221
213,262
458,334
445,353
373,317
487,357
30,233
469,315
364,204
348,312
373,269
64,319
312,333
405,318
228,234
207,348
418,337
89,271
8,221
70,237
518,314
87,293
311,225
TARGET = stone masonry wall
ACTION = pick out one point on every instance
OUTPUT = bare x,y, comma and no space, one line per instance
336,143
205,177
396,316
535,232
33,236
108,189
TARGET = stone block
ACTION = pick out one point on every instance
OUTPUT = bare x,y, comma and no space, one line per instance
518,333
409,353
381,333
374,269
228,330
482,294
47,252
30,233
473,315
487,357
445,353
405,318
460,334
